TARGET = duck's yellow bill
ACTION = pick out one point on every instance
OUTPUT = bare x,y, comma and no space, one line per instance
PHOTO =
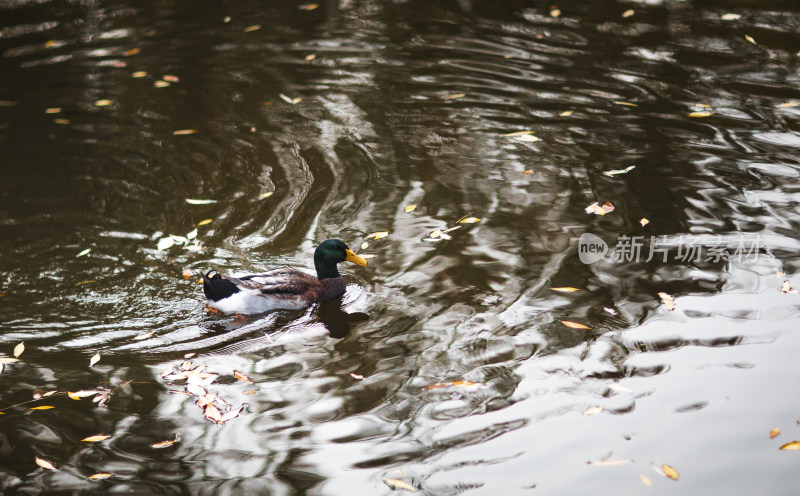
352,257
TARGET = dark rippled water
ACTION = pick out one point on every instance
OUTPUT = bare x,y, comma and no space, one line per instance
348,113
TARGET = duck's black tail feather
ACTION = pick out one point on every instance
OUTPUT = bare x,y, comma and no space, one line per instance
217,287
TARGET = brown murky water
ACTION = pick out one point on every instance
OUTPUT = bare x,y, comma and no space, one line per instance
113,113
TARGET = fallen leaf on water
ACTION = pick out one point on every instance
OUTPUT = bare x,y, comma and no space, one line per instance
192,201
56,110
133,51
628,13
103,103
61,121
187,274
750,39
469,220
593,410
170,78
794,445
84,252
290,100
555,12
45,464
627,104
410,208
610,463
612,173
95,358
774,432
265,195
357,377
85,282
5,360
160,84
527,138
96,438
18,349
786,287
165,243
518,133
310,57
528,172
232,414
139,74
82,394
574,325
184,132
597,209
646,480
789,105
101,475
377,235
249,392
566,113
644,221
667,300
456,95
204,222
254,27
239,376
670,472
212,413
400,484
701,113
730,17
43,407
165,444
566,289
460,384
308,6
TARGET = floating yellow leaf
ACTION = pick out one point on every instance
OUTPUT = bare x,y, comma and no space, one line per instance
774,432
183,132
565,289
469,220
249,392
667,300
597,209
527,138
646,480
701,114
170,78
555,12
310,57
566,113
85,282
18,349
160,84
265,195
670,472
643,221
378,235
789,105
61,121
52,110
610,463
164,444
308,6
50,43
456,95
139,74
103,103
400,484
410,208
750,39
84,252
192,201
95,358
290,100
133,51
43,407
730,17
628,104
593,410
204,222
45,464
794,445
574,325
96,438
241,377
528,172
187,274
254,27
628,13
518,133
101,475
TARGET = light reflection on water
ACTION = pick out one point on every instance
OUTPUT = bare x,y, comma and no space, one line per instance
400,104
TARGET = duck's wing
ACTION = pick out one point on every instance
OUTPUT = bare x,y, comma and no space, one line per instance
276,282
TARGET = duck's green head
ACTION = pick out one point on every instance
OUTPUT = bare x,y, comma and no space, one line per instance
330,253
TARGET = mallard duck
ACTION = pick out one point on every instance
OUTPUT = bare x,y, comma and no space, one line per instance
282,288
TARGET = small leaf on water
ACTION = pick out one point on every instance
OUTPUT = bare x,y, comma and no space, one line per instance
566,113
160,84
528,172
357,377
702,113
265,195
165,243
213,413
774,432
45,464
574,325
84,252
232,414
646,480
410,208
626,104
794,445
61,121
249,392
527,138
610,463
99,476
144,335
241,377
132,51
460,384
205,222
670,472
170,78
192,234
96,438
400,484
290,100
555,12
730,17
628,13
95,358
378,235
667,300
435,234
596,209
187,274
310,57
593,410
82,394
5,360
43,407
103,103
644,221
165,444
612,173
183,132
254,27
750,39
139,74
85,282
566,289
789,105
456,95
308,6
18,349
518,133
192,201
469,220
786,287
52,110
